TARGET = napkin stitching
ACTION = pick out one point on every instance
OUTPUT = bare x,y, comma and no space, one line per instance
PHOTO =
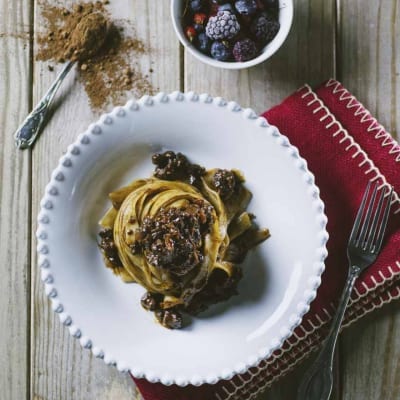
359,151
392,275
361,312
266,381
371,306
295,339
381,292
299,355
347,136
365,116
307,333
311,334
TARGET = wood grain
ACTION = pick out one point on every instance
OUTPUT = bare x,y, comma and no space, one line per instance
369,50
306,56
15,200
61,369
42,361
371,357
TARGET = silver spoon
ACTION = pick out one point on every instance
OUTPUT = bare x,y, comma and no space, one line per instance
87,38
27,133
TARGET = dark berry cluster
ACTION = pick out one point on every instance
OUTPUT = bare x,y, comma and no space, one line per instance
231,30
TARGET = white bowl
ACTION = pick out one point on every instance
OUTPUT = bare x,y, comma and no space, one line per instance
281,275
285,20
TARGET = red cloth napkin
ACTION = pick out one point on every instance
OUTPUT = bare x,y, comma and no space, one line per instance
345,147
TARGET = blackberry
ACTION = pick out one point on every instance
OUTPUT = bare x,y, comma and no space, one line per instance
196,5
244,50
198,28
246,7
264,28
221,51
203,43
222,26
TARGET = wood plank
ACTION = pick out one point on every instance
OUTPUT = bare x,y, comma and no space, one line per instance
306,56
15,68
61,369
371,357
369,44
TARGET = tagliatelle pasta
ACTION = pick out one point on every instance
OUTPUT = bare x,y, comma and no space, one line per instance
180,234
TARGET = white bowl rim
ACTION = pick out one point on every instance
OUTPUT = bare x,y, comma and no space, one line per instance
270,49
44,253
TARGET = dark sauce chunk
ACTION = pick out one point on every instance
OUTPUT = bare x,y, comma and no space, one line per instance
172,166
151,301
109,248
171,319
225,183
173,239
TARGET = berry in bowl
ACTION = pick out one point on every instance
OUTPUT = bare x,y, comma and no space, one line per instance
232,34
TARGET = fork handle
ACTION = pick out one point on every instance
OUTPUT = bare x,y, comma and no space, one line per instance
317,382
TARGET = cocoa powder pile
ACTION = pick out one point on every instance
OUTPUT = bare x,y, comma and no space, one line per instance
104,53
88,37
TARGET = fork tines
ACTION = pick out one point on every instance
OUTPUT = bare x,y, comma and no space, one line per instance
369,226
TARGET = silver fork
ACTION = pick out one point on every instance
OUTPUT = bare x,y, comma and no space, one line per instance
362,250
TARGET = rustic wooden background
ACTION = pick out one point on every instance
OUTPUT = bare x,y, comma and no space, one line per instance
356,41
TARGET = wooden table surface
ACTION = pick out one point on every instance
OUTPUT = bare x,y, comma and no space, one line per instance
356,41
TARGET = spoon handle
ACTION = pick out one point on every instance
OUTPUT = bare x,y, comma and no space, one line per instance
27,133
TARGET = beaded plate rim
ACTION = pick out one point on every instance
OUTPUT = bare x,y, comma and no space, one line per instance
58,177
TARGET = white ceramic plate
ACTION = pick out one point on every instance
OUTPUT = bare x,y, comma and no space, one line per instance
280,277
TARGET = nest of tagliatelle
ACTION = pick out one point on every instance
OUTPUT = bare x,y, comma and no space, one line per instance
181,234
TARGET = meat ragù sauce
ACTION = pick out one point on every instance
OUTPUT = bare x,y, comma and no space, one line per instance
181,234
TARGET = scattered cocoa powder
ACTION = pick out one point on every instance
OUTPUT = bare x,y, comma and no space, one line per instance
106,67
